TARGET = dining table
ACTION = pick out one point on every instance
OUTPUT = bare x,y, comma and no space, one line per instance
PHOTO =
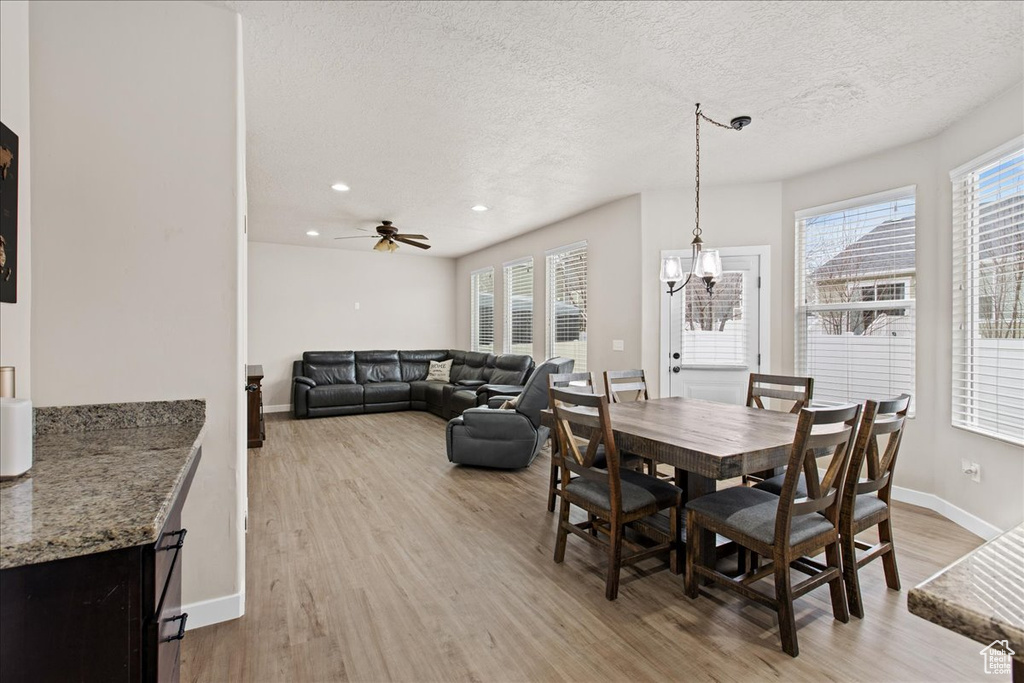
705,441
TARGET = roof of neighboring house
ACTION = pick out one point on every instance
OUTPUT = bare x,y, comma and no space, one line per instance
888,248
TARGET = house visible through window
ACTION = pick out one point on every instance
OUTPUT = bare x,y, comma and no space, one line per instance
852,257
519,307
482,311
988,294
567,304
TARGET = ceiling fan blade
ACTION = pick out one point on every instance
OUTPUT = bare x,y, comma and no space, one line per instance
355,237
403,240
413,237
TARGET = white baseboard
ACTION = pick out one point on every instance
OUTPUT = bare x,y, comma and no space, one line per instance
283,408
214,611
972,523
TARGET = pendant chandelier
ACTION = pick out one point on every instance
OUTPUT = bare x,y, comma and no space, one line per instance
705,264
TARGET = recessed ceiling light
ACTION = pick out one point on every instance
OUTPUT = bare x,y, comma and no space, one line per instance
340,187
479,207
312,233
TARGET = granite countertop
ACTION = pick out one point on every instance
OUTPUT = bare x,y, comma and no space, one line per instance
103,478
981,595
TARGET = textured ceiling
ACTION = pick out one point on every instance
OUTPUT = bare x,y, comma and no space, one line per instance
541,110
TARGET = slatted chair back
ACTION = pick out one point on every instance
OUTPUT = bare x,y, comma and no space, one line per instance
573,381
820,433
590,411
881,419
625,385
800,390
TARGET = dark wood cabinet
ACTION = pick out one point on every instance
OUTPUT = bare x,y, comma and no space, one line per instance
254,386
108,616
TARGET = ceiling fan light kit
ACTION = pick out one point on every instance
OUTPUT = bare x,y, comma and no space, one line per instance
706,264
387,236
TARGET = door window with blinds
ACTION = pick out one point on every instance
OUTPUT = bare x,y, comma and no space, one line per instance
988,294
856,280
519,307
714,328
567,304
482,311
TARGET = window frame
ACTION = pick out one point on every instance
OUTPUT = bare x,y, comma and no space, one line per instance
506,268
968,308
802,310
551,326
474,310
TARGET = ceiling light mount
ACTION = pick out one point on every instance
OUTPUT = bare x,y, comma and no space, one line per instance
740,122
480,208
340,187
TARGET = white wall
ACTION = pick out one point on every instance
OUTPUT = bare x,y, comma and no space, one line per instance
136,211
16,318
731,216
304,299
931,453
613,240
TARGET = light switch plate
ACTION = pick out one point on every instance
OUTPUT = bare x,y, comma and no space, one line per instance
618,345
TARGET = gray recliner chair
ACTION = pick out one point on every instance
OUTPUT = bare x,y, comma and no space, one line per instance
505,439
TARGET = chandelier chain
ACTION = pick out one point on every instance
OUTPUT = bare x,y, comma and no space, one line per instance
698,115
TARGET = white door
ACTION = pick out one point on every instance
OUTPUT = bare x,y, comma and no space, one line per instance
714,343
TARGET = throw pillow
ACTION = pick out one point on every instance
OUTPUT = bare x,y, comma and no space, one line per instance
440,371
511,403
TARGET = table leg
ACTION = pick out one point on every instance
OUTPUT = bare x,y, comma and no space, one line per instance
695,486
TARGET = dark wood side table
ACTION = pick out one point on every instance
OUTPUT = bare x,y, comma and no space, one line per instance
254,386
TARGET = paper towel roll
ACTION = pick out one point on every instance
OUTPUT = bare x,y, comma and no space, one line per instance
15,436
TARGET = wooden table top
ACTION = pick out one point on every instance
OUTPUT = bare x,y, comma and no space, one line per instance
714,440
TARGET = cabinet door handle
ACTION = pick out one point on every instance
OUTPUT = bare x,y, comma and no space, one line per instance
180,533
183,618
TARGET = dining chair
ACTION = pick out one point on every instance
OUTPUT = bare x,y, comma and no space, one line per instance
579,381
629,385
866,501
787,528
613,497
799,390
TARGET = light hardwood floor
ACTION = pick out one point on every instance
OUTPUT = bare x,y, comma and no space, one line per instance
371,558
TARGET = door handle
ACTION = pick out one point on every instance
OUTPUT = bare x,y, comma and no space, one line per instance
676,368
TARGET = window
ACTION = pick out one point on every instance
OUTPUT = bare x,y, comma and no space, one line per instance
851,257
988,294
482,322
567,304
519,307
714,328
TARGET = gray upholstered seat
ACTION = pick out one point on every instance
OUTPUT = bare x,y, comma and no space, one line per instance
638,491
866,505
752,512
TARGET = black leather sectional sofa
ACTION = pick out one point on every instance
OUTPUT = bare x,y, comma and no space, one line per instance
349,382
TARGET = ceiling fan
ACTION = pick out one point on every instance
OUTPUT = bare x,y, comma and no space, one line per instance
387,235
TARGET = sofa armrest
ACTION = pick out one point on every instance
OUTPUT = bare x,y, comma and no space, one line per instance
304,380
496,402
489,391
471,383
499,425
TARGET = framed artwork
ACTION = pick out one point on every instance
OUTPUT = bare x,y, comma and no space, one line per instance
8,215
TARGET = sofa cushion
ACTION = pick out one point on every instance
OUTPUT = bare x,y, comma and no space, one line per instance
474,368
510,369
330,395
440,371
330,367
377,366
415,363
385,392
461,400
434,393
418,389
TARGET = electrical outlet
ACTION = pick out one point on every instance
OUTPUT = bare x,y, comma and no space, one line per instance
357,305
618,345
971,469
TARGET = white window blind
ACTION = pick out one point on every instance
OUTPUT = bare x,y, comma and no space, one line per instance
482,323
855,289
714,330
567,304
988,294
519,307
